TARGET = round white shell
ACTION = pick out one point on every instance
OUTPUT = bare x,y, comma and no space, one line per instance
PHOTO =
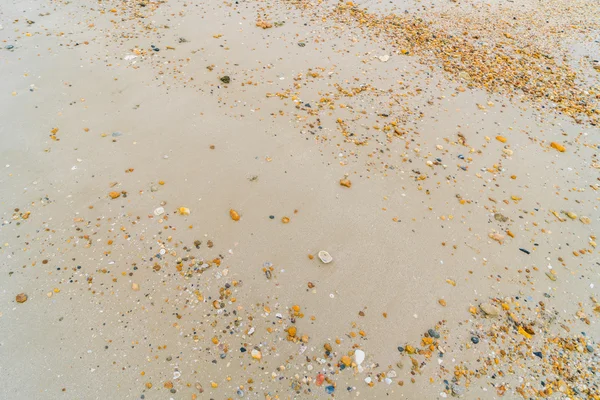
325,257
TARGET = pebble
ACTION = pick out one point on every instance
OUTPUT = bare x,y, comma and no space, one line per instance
159,211
346,183
234,215
225,79
256,354
433,333
457,390
489,309
21,298
184,211
500,218
589,348
9,47
475,339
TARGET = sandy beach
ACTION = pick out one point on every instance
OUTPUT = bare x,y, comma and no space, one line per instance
299,200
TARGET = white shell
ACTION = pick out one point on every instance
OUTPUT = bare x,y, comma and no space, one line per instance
325,257
159,211
359,356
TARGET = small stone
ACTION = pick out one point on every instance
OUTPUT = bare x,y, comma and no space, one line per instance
475,339
184,211
347,361
571,214
400,349
500,218
225,79
21,298
9,47
345,183
558,147
114,195
256,354
135,287
589,348
433,333
292,331
234,215
159,211
498,237
489,309
384,58
154,188
457,390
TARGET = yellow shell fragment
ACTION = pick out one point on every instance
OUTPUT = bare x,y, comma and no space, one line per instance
234,215
184,211
558,147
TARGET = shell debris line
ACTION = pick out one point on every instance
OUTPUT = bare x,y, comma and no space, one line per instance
300,200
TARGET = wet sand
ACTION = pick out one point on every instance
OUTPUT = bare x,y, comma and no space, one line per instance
464,246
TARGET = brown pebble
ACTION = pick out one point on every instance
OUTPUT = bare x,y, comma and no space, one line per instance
346,183
234,215
21,298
